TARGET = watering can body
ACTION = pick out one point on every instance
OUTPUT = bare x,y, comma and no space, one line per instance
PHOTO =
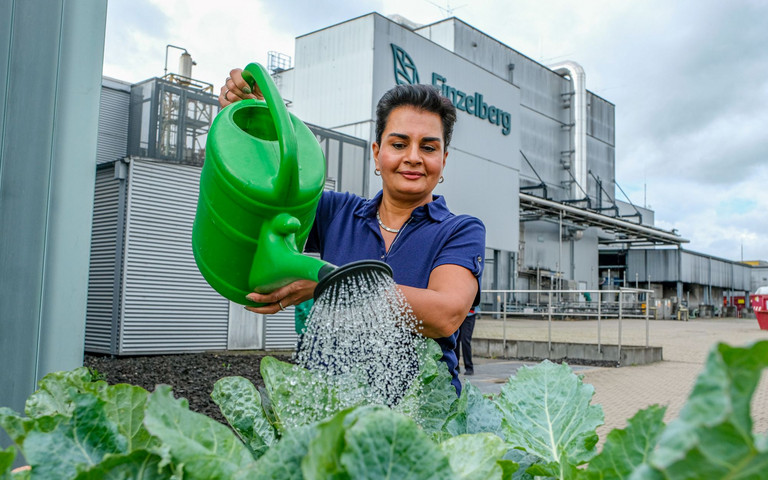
263,176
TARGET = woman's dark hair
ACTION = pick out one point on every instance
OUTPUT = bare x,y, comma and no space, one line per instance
422,97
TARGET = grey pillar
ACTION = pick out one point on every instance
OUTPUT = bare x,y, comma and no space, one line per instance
51,54
679,274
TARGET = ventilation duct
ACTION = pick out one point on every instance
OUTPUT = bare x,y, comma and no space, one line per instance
579,131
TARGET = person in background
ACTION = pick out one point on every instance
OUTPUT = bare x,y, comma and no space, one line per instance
436,256
464,342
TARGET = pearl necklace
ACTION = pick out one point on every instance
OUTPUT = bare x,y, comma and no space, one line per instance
381,224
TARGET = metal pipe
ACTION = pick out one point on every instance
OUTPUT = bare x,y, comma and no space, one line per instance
579,113
560,254
165,69
603,218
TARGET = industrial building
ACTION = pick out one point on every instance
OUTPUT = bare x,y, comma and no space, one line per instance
533,156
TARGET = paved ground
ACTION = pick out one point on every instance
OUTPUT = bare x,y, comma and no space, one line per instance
623,391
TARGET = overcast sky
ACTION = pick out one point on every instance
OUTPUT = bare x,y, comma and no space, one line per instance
689,80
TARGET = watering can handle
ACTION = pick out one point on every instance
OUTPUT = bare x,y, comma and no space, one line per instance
288,170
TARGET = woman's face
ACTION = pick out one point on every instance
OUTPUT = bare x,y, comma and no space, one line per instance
411,156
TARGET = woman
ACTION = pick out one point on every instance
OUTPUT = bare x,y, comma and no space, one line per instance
436,256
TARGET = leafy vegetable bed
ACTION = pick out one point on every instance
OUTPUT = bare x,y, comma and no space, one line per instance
191,375
541,425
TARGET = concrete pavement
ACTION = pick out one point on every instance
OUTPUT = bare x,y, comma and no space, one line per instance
625,390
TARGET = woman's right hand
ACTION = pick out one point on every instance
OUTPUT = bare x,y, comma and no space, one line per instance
236,88
292,294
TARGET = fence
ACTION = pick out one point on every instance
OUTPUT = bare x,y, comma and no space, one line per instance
620,304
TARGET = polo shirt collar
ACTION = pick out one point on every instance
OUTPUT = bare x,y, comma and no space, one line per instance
436,210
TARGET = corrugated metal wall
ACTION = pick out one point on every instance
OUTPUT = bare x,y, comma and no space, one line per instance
280,331
101,275
113,122
167,305
694,269
601,120
742,277
706,270
662,265
601,150
758,278
246,329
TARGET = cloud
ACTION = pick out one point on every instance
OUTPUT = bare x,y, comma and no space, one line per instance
131,19
300,17
134,29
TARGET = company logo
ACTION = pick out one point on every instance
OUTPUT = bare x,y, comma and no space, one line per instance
473,104
405,69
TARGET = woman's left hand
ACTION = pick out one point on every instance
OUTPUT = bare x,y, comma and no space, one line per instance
282,298
235,88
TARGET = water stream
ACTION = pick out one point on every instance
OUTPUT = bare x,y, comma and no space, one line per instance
360,343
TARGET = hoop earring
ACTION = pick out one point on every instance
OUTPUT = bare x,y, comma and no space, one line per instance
442,179
377,172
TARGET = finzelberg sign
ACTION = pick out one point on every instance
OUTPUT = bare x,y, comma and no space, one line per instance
473,104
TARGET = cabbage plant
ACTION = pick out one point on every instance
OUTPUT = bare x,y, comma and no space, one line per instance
542,425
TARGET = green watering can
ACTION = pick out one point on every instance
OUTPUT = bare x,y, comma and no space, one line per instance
263,176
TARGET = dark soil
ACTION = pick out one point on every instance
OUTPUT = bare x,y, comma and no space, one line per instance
190,375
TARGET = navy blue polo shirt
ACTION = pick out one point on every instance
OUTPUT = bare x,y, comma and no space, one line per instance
346,230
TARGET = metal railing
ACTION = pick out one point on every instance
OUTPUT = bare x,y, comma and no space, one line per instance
622,303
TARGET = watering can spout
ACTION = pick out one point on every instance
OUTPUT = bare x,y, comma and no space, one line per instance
277,262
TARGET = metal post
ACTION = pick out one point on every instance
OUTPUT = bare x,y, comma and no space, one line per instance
610,282
647,318
648,295
549,323
538,286
621,313
504,326
599,318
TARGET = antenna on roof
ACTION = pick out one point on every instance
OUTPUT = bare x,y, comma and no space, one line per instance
447,11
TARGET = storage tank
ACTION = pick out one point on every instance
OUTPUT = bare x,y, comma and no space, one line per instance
185,65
